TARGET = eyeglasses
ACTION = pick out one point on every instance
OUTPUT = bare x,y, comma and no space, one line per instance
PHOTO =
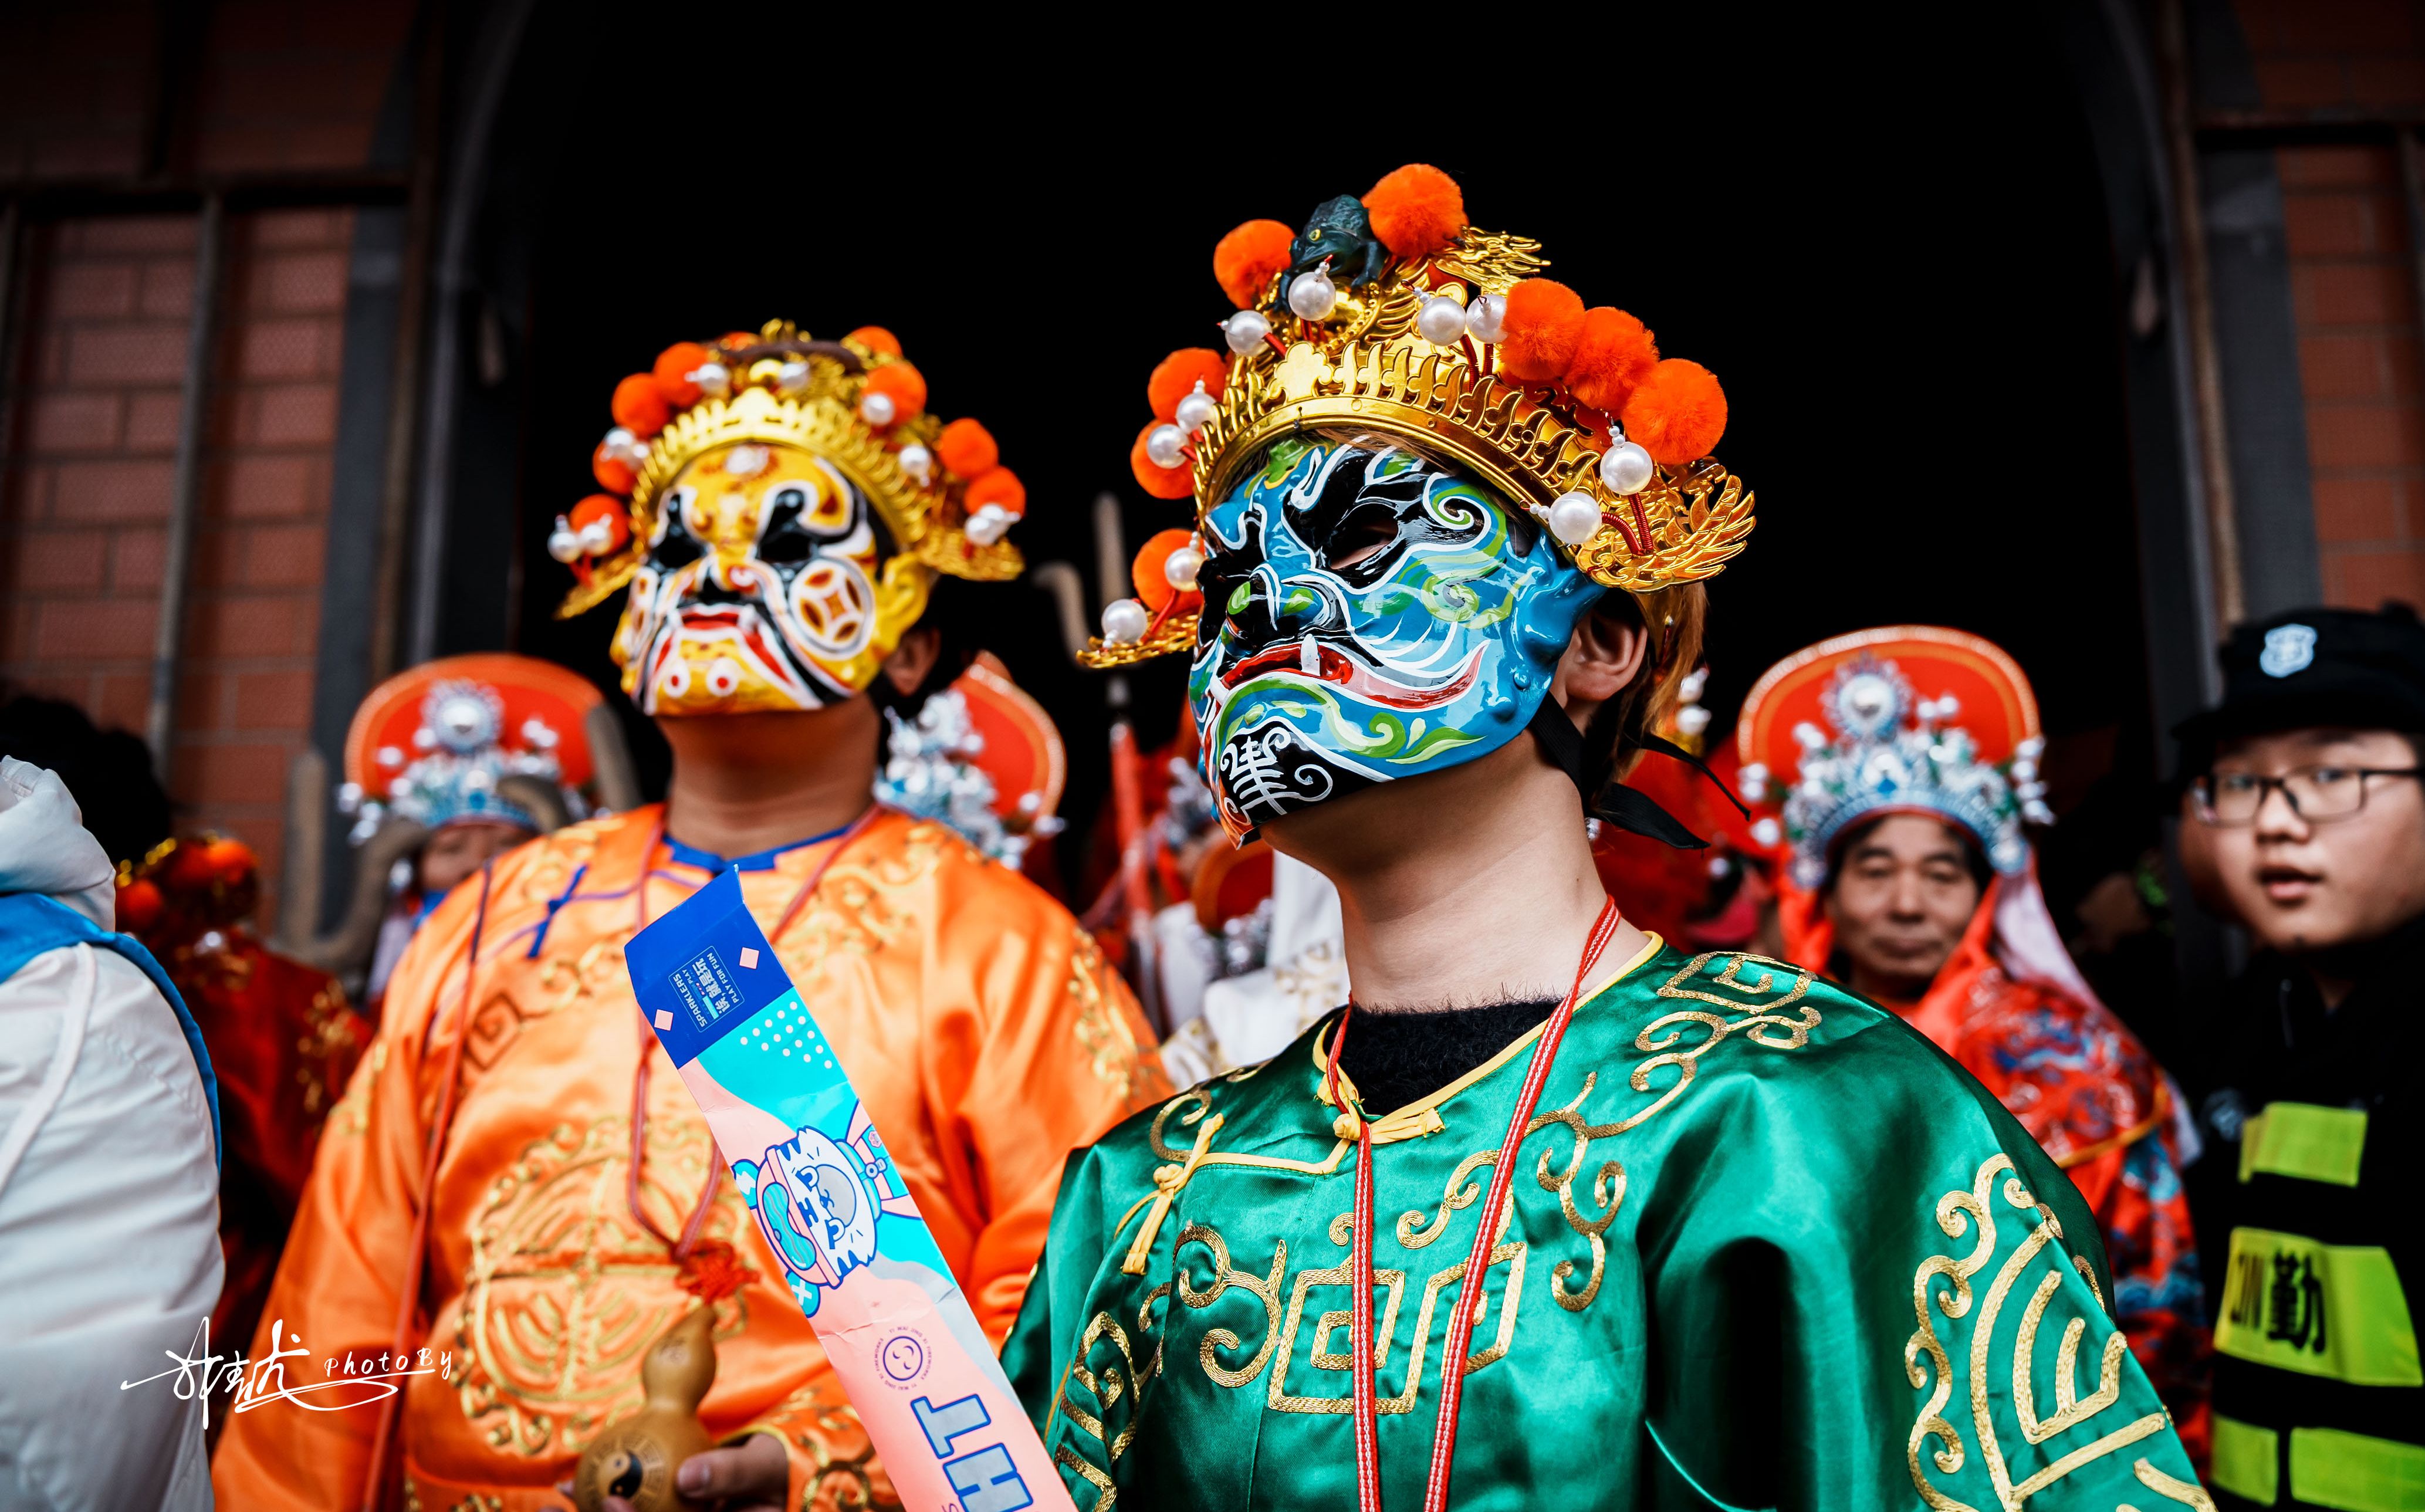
2314,794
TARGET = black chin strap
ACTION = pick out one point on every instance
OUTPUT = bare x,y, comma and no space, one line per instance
1583,754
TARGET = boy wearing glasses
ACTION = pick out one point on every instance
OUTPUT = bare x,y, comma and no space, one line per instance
2311,811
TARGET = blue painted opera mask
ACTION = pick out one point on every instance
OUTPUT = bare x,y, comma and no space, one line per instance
1370,614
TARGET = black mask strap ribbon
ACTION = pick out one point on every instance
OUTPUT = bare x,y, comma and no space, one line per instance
1572,752
1626,808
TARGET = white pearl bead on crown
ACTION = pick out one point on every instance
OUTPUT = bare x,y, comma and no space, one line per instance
1442,320
1180,567
1246,330
1574,518
1626,468
1196,408
989,524
1485,318
1312,295
1124,622
1163,445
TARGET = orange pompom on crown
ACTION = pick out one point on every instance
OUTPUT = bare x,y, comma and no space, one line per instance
672,371
1677,413
1415,211
996,488
1176,376
1543,327
1249,258
877,339
602,522
893,394
232,862
613,472
639,407
1615,353
189,868
1162,482
966,449
1151,572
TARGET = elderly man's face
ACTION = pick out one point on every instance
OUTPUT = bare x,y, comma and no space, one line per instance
1901,902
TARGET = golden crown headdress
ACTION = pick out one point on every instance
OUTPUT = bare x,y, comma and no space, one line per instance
1394,316
940,489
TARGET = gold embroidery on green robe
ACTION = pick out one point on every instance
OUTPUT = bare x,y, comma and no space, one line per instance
1732,1196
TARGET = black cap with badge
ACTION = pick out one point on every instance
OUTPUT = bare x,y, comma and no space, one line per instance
2314,667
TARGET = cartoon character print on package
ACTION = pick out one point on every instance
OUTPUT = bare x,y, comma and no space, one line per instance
765,587
1371,613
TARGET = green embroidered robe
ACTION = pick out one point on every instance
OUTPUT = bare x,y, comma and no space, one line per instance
1766,1246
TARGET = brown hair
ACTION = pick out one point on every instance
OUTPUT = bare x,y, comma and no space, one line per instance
1675,618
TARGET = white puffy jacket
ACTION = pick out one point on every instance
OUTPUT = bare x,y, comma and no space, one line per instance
109,1252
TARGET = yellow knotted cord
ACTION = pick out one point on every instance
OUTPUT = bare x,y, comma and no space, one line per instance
1169,1181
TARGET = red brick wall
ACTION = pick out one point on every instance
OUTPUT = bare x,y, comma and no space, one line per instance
87,490
2354,285
86,501
280,86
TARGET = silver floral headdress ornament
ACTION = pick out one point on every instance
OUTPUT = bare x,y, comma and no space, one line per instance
1845,730
454,739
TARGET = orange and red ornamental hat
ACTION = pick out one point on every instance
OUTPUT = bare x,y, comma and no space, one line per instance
983,757
432,744
1901,719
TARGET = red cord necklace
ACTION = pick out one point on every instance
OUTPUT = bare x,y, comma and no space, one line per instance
1477,1261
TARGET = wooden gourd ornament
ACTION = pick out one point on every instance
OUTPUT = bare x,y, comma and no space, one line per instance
636,1457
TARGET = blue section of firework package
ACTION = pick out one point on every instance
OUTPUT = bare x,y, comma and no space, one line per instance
703,969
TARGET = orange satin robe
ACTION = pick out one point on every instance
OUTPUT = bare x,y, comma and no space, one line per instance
982,1029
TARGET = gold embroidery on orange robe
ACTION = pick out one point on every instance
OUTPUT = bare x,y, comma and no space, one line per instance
551,1327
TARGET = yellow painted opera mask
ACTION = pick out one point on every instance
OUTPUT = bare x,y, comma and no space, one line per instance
769,582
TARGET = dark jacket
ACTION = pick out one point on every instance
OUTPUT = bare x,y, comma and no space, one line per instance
2314,1176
